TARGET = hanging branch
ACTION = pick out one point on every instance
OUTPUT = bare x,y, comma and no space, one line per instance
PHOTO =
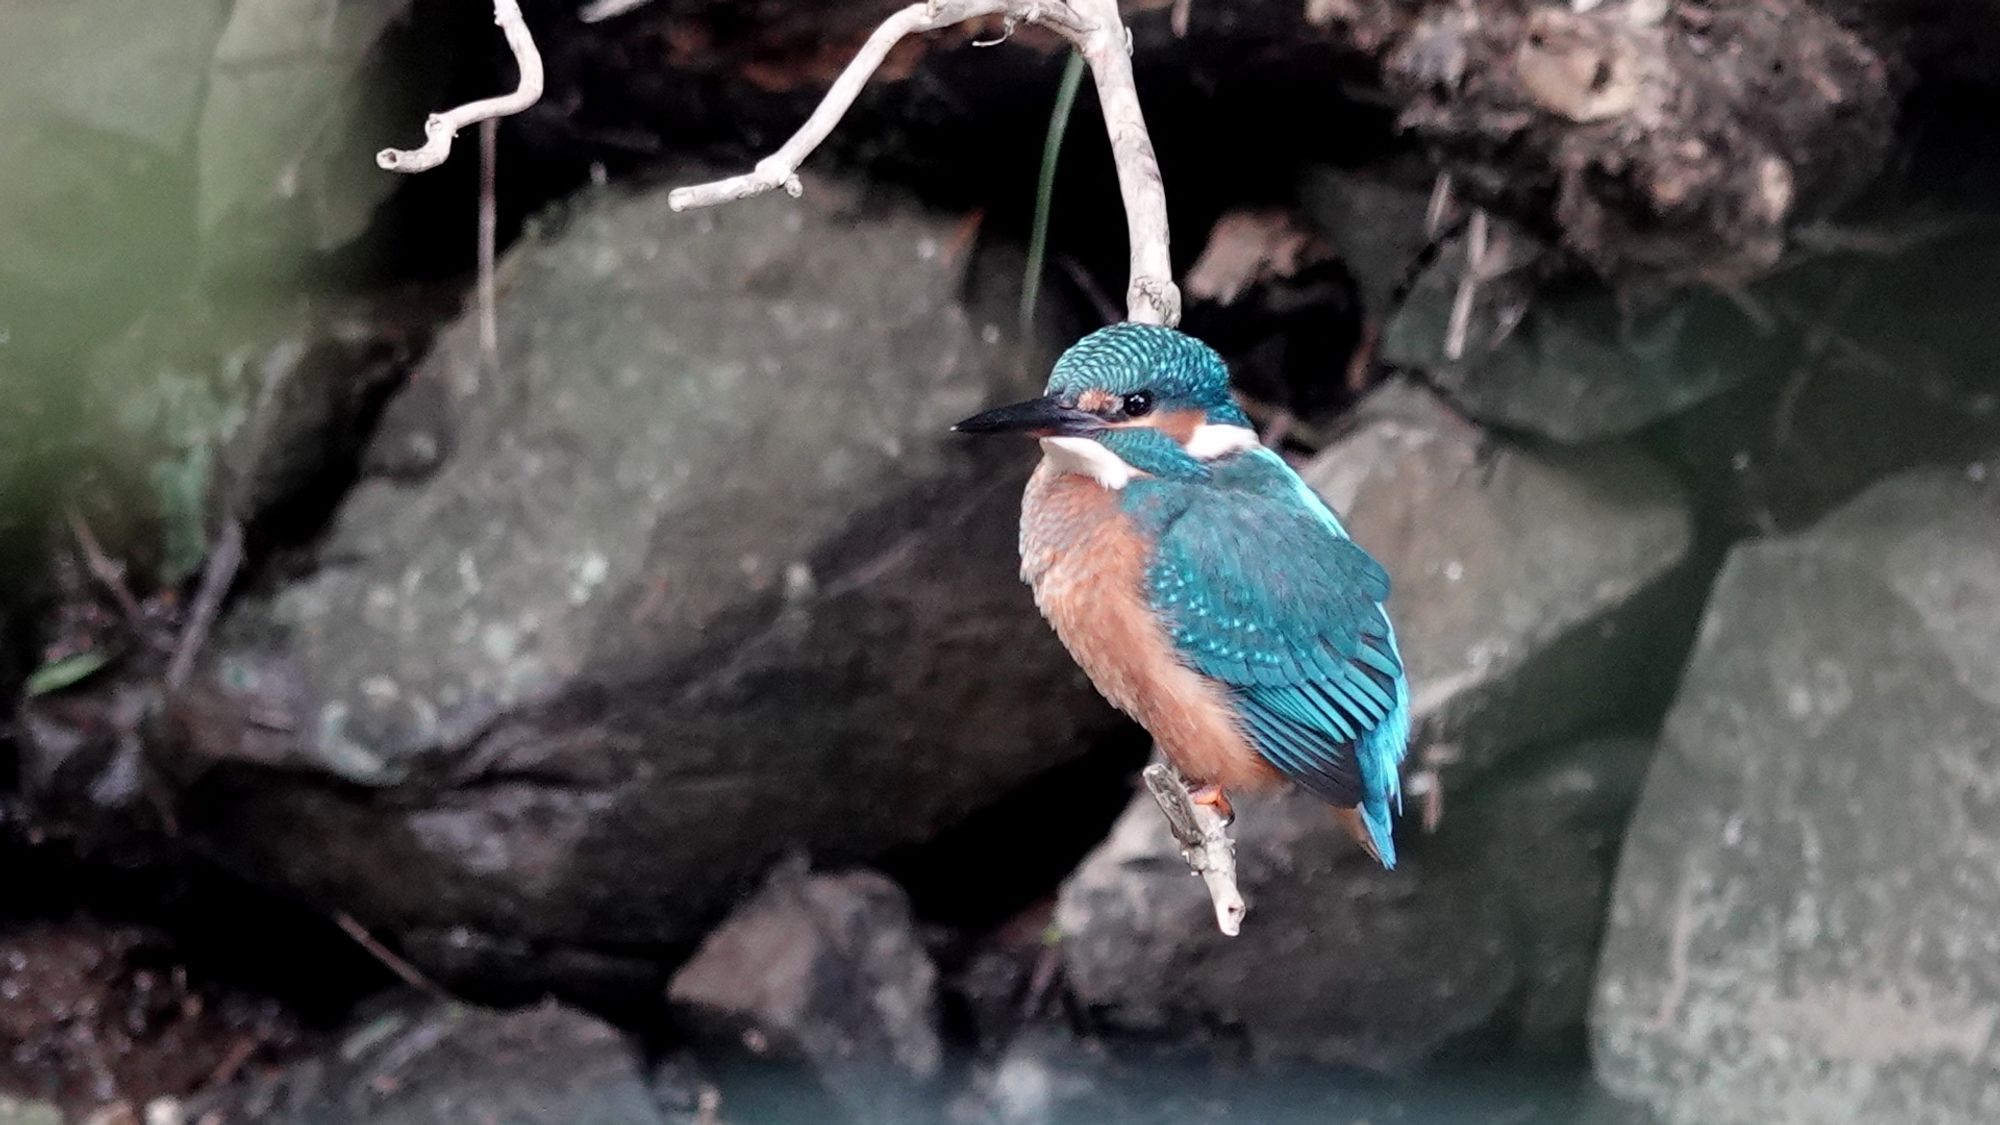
440,128
1094,28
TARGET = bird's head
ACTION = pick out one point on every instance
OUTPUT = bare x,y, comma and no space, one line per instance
1131,400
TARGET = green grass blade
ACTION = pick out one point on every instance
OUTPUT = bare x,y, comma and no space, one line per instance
1045,187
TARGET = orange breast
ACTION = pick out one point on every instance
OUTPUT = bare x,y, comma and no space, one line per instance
1087,566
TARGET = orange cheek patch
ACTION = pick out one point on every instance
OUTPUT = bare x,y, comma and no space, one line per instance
1096,401
1177,424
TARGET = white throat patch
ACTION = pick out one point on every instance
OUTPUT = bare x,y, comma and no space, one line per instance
1210,441
1088,458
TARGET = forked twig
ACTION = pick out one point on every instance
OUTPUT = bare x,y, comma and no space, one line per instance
441,128
1095,29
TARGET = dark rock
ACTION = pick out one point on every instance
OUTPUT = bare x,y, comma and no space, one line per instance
1049,1078
826,969
1545,829
1574,361
80,759
1805,918
1890,368
1483,941
446,1064
1376,226
702,580
1339,961
1529,587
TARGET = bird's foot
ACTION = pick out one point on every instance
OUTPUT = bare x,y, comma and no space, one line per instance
1213,797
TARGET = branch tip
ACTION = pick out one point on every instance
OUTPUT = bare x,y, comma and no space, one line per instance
1203,835
440,129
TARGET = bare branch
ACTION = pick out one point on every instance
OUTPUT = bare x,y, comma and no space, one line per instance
224,559
441,128
1095,29
1151,297
781,168
1203,834
108,574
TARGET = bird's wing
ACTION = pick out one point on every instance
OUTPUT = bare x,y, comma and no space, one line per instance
1265,594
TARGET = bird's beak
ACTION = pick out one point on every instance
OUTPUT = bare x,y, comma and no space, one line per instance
1042,417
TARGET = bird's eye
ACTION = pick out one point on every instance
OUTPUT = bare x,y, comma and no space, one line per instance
1138,404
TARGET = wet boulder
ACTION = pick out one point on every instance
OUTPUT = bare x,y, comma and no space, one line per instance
1804,924
1531,588
1485,936
434,1064
689,573
825,970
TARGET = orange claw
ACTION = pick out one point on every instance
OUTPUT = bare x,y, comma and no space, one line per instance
1213,797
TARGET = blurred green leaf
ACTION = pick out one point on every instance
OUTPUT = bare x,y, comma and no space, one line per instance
282,134
101,100
65,673
1045,186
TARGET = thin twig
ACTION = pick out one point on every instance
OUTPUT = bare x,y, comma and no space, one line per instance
1095,29
441,128
108,574
1468,288
408,973
217,576
489,230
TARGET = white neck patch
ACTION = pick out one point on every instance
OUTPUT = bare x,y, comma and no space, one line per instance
1210,441
1088,458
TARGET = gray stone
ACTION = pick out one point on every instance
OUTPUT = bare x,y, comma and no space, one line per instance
1488,931
15,1111
1048,1077
1527,590
1376,227
826,969
1339,962
702,578
1575,361
447,1064
1528,587
1545,829
1806,924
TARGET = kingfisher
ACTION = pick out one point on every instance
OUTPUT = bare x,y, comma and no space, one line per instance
1203,587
